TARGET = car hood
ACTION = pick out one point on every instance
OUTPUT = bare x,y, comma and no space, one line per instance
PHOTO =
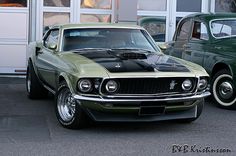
102,63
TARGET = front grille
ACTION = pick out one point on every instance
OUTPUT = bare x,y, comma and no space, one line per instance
149,86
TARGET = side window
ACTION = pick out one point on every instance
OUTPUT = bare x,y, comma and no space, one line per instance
52,38
184,31
199,31
223,28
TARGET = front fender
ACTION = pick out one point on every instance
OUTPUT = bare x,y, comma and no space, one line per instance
64,76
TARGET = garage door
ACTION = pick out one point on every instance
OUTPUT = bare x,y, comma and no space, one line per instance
13,36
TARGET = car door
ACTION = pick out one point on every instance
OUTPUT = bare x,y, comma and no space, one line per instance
181,38
198,44
45,58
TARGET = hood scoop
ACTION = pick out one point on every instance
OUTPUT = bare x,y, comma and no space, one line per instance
132,56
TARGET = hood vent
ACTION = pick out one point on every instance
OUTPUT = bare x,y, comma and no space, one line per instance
128,56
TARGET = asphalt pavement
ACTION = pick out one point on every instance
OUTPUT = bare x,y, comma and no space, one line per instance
29,127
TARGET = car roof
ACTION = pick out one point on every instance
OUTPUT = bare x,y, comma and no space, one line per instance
211,16
98,25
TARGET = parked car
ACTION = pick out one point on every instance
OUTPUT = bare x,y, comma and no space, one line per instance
155,26
210,41
113,73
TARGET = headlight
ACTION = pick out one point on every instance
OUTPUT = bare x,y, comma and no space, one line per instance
202,84
187,85
111,86
85,85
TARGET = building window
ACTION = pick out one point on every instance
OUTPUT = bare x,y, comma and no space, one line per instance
94,18
57,3
225,6
13,3
96,4
152,5
52,18
156,26
94,11
55,12
178,20
189,5
152,16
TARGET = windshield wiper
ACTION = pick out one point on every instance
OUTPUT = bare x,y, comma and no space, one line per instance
133,49
138,50
91,49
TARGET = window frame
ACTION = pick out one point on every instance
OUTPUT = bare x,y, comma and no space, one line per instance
46,36
218,19
182,22
199,39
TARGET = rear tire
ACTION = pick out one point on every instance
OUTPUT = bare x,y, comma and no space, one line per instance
223,90
34,88
68,111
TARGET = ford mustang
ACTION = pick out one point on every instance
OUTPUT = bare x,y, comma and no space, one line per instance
113,73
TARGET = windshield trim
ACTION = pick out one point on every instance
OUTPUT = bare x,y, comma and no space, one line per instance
220,19
143,31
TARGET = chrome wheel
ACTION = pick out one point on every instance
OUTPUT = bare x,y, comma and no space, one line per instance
66,105
68,110
223,90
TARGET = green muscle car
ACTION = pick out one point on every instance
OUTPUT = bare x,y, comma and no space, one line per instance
112,72
210,41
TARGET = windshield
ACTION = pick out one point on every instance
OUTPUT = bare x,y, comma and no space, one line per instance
223,28
108,38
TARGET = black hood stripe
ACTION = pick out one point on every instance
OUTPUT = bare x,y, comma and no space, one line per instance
117,62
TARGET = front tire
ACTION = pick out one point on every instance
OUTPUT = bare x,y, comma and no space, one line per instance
223,90
34,88
68,111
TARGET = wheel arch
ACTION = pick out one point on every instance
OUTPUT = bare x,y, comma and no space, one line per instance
30,60
220,66
63,77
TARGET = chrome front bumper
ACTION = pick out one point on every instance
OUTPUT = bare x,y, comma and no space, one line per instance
128,109
166,99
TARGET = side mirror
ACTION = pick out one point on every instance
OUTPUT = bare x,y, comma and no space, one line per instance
163,46
52,46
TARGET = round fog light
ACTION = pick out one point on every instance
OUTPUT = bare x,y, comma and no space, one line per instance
202,84
85,85
111,86
187,85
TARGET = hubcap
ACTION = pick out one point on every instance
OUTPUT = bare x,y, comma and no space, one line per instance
226,90
223,90
66,105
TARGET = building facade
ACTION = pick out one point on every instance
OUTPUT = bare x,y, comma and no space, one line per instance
24,21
